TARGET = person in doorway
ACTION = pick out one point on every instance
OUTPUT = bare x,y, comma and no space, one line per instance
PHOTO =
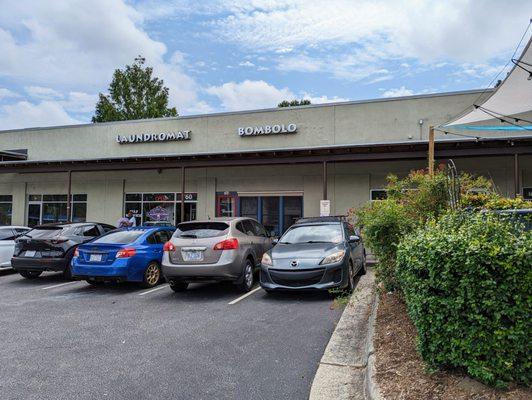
127,221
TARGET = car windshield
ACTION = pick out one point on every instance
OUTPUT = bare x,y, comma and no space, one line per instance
49,232
201,229
122,237
326,233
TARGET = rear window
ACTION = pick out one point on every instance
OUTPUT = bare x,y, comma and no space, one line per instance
122,237
201,229
49,232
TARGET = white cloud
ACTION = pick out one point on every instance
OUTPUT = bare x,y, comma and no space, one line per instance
6,94
24,114
246,63
398,92
424,30
248,95
323,99
43,93
76,45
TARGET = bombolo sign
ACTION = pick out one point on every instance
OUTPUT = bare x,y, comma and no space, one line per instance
267,130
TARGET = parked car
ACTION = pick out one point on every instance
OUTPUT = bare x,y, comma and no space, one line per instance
128,254
228,249
8,234
523,215
315,253
50,247
157,223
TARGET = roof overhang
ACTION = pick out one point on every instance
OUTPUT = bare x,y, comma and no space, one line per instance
374,152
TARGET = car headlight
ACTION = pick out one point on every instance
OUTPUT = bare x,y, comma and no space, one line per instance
266,259
333,258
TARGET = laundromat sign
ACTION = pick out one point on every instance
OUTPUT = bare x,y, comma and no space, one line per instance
267,129
153,137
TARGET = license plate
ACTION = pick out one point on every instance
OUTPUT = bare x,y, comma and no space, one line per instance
95,257
30,253
192,255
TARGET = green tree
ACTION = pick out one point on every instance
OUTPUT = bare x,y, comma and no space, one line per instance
134,94
294,103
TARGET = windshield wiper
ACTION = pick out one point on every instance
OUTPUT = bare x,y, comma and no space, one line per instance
285,242
316,241
189,236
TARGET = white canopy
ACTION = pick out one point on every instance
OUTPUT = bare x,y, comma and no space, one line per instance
513,96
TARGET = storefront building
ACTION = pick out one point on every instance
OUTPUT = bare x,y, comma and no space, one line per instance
275,164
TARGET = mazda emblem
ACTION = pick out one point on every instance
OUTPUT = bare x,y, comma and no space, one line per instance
294,263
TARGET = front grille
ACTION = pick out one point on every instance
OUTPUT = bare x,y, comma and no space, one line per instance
298,278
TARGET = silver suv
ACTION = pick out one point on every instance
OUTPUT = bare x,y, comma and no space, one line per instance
228,249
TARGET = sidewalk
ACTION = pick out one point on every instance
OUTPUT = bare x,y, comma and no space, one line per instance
344,365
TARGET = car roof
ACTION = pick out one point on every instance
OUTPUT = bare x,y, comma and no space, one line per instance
146,228
320,220
218,219
65,224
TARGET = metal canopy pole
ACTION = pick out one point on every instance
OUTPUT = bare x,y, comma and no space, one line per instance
69,199
517,188
324,180
431,151
182,194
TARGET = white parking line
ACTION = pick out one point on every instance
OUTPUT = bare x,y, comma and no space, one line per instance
244,296
153,290
59,285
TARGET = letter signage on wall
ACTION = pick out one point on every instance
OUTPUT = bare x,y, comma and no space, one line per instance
267,129
153,137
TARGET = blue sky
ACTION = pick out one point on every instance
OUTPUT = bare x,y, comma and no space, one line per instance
233,55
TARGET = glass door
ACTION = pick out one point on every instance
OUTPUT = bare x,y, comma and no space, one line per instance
270,215
34,214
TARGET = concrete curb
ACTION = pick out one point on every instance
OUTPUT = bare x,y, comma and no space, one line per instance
343,368
371,388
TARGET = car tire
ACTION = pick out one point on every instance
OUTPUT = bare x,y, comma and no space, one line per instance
30,274
67,273
248,277
363,268
351,278
152,275
179,286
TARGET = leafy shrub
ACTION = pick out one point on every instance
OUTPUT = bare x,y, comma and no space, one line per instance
491,201
467,281
384,224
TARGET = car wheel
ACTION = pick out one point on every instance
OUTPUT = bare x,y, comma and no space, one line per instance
363,268
67,273
152,275
248,278
351,277
30,274
179,286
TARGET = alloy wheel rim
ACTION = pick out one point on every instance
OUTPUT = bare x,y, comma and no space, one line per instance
152,274
249,276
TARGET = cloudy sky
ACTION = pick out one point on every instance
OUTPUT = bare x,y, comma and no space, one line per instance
219,55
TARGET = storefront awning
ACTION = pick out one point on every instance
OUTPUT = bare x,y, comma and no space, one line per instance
411,150
511,98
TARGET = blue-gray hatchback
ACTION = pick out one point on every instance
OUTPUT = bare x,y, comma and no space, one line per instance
319,253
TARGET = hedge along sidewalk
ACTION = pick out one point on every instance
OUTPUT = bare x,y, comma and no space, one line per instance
342,370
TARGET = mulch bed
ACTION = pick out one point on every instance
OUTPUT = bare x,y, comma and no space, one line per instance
401,373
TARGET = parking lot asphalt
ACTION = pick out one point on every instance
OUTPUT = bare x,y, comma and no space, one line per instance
69,340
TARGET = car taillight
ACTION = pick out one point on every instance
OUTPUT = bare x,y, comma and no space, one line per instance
227,244
168,246
125,253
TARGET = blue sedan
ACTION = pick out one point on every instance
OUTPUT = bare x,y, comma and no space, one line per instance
124,255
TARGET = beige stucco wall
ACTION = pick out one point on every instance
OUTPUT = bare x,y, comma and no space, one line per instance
377,121
349,184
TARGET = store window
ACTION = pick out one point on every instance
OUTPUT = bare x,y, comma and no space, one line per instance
6,209
276,213
378,194
161,207
49,208
527,193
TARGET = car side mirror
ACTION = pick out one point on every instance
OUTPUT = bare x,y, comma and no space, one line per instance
354,239
275,241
